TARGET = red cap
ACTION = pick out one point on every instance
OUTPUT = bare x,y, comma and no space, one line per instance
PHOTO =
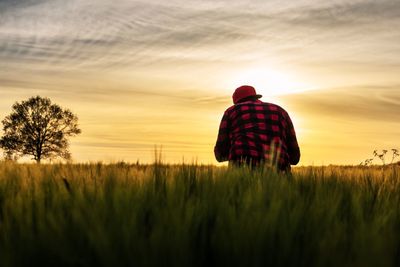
243,92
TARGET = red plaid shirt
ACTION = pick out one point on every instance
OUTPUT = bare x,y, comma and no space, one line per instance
257,130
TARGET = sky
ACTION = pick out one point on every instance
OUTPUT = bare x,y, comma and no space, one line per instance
146,74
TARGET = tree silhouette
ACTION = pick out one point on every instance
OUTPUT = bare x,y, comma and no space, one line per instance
38,128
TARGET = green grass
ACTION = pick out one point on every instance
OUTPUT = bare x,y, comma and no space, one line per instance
190,215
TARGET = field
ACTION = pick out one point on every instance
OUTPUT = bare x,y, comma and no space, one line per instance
193,215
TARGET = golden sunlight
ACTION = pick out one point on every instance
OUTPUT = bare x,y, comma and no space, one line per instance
269,82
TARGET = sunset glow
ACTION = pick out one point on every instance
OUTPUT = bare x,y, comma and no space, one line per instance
141,74
269,82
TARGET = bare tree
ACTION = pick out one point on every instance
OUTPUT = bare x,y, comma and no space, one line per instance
38,128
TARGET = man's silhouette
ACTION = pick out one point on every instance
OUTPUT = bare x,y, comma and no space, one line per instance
254,133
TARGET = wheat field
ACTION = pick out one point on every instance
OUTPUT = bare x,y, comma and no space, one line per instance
197,215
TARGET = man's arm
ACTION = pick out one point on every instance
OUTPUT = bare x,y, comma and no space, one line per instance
222,147
293,146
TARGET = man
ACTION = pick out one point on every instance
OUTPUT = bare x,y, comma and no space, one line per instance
255,133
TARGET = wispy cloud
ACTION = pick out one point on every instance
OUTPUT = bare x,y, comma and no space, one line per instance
98,33
368,103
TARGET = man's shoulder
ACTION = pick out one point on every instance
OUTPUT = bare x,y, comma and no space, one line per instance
265,106
274,107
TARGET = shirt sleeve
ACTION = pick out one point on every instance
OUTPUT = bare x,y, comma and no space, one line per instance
222,147
293,146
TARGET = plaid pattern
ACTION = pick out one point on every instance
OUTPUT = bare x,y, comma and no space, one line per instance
259,131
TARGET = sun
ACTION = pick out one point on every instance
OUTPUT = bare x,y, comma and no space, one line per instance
269,82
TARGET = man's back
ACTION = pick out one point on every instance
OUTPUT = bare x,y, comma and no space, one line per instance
257,131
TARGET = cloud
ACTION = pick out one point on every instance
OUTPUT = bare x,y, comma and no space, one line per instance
366,103
12,5
348,14
177,39
100,35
